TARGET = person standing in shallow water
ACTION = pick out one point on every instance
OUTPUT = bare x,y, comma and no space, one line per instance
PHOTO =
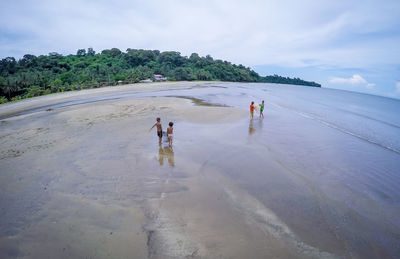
159,129
262,109
170,131
251,110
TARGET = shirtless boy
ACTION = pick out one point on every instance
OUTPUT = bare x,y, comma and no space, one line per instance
159,129
170,131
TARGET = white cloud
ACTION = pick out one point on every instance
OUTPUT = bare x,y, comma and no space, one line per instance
398,87
354,80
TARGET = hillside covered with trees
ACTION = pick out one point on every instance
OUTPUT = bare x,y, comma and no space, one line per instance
34,76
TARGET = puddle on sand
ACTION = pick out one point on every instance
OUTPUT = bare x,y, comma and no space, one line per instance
200,102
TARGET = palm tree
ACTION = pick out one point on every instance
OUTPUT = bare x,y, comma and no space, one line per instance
9,88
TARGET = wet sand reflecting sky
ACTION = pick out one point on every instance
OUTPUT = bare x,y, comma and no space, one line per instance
89,180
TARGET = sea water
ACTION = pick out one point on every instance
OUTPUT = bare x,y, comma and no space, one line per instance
326,161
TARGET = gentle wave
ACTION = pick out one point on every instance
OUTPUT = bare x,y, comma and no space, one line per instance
334,126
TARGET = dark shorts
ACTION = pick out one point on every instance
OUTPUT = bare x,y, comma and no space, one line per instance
159,134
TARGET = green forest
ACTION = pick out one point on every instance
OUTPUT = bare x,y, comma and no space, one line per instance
39,75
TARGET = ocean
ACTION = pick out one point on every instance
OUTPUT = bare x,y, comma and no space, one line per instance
325,161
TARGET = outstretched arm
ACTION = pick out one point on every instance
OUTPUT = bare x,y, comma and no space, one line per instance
153,126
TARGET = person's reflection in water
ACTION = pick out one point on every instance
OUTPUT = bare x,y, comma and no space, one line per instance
170,155
166,152
160,154
260,123
251,127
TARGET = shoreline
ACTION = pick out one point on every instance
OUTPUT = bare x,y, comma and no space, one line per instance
12,108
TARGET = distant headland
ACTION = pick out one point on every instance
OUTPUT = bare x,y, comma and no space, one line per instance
40,75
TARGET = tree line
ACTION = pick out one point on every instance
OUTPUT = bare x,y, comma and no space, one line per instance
39,75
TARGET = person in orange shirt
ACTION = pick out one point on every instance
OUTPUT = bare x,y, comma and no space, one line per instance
252,110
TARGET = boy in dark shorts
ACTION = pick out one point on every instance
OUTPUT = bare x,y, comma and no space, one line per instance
159,129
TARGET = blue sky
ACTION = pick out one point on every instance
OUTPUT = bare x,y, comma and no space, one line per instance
351,45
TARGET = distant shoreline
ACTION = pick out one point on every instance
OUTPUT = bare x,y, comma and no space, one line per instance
33,76
74,92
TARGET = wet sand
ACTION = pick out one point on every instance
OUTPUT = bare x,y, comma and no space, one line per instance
82,182
91,181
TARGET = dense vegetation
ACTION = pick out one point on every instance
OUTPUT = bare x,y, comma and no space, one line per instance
33,76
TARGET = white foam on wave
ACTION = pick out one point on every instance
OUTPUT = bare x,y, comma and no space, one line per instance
334,126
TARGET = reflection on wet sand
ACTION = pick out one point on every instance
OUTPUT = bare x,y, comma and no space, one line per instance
166,153
253,125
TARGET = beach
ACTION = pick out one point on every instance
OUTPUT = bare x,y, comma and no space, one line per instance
83,177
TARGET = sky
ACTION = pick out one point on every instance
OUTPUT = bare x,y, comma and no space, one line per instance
344,44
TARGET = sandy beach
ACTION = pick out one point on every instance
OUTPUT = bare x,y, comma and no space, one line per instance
81,182
88,180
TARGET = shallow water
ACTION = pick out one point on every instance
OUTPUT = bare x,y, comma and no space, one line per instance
337,158
342,151
319,176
